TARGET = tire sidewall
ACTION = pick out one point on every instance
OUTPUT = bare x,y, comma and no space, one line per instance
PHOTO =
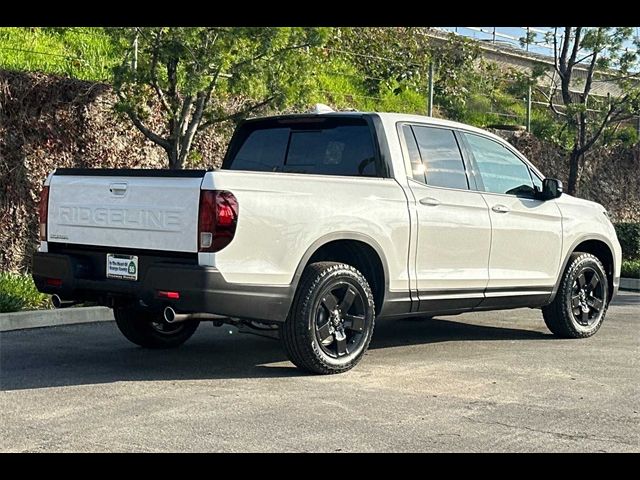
575,271
357,281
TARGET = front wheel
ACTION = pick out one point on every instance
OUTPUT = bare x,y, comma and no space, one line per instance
580,305
332,319
148,329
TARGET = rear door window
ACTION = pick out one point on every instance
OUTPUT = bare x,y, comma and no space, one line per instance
435,157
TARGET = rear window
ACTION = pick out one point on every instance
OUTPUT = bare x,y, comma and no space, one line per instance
326,146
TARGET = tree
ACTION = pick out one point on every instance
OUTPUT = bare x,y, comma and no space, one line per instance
200,77
397,59
602,55
388,58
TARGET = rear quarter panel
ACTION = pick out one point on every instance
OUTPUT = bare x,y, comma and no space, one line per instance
281,216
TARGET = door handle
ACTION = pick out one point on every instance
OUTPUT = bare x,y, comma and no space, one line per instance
500,209
430,201
118,188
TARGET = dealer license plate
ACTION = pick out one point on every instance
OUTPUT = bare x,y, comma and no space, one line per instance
124,267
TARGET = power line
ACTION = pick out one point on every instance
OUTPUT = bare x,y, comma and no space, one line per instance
43,53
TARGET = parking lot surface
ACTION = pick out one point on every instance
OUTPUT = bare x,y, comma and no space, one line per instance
494,381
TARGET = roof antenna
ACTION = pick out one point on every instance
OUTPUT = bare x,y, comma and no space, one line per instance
322,108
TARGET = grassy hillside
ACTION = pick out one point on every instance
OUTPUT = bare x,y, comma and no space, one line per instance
85,53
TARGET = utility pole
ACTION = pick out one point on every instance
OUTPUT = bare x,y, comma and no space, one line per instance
529,109
430,105
134,60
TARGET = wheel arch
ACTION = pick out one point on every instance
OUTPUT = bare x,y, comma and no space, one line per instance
356,249
600,247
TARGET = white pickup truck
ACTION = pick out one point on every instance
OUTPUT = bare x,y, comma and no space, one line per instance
316,225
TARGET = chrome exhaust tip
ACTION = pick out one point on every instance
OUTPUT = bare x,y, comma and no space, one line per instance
60,303
171,316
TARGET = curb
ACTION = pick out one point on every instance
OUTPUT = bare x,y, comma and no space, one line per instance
52,318
632,284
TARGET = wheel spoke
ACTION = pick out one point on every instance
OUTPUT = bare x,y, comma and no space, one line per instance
348,299
595,303
354,322
595,280
330,302
585,317
581,280
575,301
341,343
324,332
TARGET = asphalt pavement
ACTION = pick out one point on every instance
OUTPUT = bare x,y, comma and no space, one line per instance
481,382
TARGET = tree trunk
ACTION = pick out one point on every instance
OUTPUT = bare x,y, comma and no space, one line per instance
173,156
574,171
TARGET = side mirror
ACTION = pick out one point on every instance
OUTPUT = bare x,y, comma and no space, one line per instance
551,188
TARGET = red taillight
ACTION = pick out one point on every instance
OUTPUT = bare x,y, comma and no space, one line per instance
217,220
54,282
43,211
169,295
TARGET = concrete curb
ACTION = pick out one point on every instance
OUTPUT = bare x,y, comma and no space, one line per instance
52,318
632,284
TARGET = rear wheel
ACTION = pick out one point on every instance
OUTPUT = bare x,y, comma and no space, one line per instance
580,305
332,319
148,329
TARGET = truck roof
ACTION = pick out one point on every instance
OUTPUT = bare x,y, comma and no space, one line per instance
385,116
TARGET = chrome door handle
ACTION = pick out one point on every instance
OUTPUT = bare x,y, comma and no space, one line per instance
500,209
430,201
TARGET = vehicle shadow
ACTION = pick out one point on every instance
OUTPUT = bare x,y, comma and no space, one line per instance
97,353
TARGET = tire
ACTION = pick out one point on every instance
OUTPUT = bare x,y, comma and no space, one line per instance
322,342
149,330
584,286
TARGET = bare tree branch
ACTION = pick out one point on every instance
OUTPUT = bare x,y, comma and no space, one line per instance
147,132
154,74
576,46
563,51
586,145
555,50
549,98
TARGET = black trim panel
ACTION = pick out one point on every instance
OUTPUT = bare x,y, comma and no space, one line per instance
202,289
396,304
385,164
469,299
129,172
514,301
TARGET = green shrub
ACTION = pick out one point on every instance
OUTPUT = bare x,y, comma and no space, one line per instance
631,268
629,237
18,292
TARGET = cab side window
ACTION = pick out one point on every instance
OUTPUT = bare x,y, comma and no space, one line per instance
500,170
435,157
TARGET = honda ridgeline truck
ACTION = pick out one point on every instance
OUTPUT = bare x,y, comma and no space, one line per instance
317,225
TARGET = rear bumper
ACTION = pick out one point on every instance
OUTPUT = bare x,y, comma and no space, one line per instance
202,289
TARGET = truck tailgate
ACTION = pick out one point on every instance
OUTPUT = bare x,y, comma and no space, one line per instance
155,211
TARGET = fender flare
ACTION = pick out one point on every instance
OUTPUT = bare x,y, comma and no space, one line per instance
331,237
578,241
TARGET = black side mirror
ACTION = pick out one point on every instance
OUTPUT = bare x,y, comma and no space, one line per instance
551,188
